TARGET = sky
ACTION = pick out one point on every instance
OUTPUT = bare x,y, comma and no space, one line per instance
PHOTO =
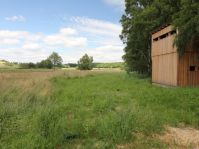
30,30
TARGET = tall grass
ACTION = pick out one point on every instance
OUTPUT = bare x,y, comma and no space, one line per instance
75,109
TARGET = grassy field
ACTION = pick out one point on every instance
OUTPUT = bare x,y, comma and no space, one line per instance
70,109
8,65
109,65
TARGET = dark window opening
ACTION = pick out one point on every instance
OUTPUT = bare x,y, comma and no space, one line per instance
156,39
192,68
173,32
164,36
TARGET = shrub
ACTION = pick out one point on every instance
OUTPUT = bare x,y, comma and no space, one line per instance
45,64
85,63
27,65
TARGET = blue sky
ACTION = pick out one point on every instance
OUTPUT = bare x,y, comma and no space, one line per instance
31,29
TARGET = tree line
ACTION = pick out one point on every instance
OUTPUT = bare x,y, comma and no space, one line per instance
56,61
53,61
144,16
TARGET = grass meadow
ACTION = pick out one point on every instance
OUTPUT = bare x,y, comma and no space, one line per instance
101,109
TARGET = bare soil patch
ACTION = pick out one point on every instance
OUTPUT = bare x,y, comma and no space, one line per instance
181,138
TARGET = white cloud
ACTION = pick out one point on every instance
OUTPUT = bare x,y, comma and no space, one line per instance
104,36
18,54
68,31
65,42
97,26
109,48
24,46
116,3
66,39
98,38
13,34
100,54
109,53
18,18
9,41
32,46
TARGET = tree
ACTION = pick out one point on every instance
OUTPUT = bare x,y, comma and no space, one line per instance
45,64
85,63
140,19
187,22
55,59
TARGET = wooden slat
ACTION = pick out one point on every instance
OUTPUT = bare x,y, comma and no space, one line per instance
163,31
185,76
164,69
168,67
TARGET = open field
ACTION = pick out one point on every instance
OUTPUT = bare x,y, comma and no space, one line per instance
7,65
70,109
109,65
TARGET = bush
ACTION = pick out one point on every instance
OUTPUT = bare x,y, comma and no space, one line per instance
72,65
85,63
27,65
45,64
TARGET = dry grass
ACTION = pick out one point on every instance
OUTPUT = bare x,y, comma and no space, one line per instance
112,110
27,80
38,80
181,138
174,138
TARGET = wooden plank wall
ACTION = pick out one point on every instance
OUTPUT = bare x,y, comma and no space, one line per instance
164,69
163,46
164,58
186,77
167,67
163,31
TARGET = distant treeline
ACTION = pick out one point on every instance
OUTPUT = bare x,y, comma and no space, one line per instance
55,61
43,64
109,65
48,65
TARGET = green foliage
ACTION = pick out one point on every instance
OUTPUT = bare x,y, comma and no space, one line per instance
109,65
45,64
144,16
117,126
98,111
8,65
85,63
55,59
187,23
27,65
65,66
72,65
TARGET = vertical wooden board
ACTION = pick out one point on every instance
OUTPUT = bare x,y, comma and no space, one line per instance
185,76
165,64
175,67
181,75
183,66
180,71
163,46
153,69
170,47
193,75
165,69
